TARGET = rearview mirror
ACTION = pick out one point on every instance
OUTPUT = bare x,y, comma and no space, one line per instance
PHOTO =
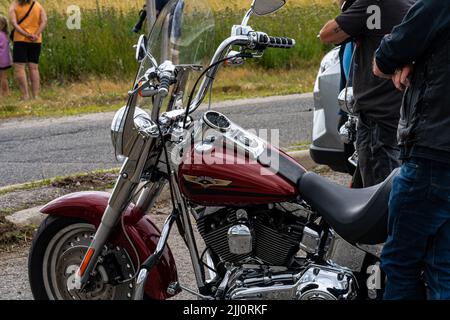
265,7
346,100
141,48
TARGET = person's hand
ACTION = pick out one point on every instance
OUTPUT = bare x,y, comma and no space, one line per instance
33,37
30,37
401,78
378,72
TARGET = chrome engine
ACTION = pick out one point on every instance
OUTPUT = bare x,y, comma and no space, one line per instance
267,235
315,282
259,248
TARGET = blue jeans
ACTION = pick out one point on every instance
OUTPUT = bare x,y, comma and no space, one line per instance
419,232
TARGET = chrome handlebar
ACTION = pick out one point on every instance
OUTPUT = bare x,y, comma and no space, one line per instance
220,53
252,40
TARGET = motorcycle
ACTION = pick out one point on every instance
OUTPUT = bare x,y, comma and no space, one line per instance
271,229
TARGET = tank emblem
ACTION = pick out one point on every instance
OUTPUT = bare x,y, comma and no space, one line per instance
207,182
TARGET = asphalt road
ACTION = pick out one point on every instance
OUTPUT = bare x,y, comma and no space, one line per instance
38,149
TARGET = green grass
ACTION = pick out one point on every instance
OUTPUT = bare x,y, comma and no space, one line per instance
299,146
65,181
104,45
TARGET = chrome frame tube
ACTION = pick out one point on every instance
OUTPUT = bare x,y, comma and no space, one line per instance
154,258
149,195
189,235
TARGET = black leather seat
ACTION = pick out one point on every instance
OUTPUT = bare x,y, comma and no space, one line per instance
357,215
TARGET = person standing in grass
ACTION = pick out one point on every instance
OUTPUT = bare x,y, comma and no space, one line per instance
29,20
5,57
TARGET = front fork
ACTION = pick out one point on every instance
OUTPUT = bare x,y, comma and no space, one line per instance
121,197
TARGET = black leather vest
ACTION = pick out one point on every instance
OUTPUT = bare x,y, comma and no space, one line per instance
425,113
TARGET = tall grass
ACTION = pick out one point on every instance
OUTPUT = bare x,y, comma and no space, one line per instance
61,5
104,45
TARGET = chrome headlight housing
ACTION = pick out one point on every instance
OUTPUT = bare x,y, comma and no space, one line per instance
142,121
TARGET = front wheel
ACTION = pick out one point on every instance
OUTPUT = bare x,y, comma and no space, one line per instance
56,252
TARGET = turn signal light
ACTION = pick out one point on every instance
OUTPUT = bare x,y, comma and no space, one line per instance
86,260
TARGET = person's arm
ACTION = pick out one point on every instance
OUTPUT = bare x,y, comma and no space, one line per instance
409,41
352,23
43,22
13,18
332,33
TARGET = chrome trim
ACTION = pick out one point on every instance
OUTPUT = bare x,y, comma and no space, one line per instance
311,241
374,250
341,253
315,282
240,240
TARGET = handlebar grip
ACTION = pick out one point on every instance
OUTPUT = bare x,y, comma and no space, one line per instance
267,41
281,42
164,85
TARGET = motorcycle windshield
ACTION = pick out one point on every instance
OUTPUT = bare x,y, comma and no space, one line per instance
183,34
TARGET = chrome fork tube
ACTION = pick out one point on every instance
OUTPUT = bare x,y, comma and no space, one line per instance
126,185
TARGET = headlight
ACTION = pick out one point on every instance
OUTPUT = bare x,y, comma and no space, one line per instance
142,121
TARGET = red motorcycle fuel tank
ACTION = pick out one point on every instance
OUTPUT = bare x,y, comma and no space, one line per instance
224,178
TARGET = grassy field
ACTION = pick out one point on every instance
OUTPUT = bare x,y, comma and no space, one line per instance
134,4
91,69
103,95
104,45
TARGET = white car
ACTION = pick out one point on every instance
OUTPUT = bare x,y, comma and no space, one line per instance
327,147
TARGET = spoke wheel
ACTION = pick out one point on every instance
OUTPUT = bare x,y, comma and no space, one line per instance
57,251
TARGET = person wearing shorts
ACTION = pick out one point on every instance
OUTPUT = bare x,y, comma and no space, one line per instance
27,43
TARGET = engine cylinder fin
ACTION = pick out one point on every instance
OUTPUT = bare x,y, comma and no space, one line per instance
276,234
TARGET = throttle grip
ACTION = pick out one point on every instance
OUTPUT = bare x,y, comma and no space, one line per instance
281,42
164,85
263,40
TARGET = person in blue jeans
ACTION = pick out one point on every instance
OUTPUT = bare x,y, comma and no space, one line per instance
416,56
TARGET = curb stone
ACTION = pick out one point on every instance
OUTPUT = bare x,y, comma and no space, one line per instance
28,217
32,216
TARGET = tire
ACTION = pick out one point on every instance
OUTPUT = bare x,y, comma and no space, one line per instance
56,252
47,230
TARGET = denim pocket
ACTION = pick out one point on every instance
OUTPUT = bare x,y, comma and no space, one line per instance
440,181
411,171
411,165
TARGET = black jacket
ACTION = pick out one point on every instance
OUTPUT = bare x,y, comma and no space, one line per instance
424,39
